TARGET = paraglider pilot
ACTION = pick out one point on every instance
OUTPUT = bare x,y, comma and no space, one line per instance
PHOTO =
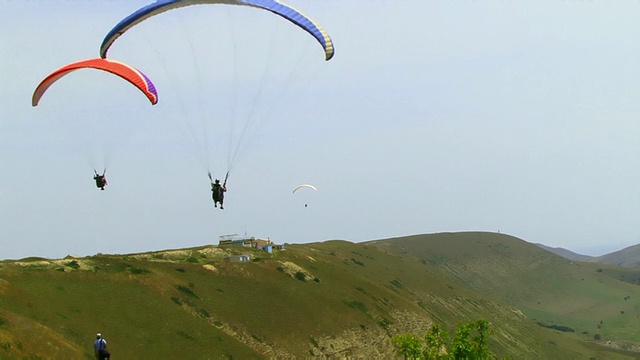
217,192
101,180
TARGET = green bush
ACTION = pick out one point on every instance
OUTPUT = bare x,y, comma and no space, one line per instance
356,305
466,345
469,342
185,335
203,313
409,346
176,300
185,290
73,264
436,341
138,271
300,276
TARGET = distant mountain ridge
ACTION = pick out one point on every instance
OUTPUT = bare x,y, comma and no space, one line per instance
567,254
627,257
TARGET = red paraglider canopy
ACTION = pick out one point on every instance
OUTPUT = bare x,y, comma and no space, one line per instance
132,75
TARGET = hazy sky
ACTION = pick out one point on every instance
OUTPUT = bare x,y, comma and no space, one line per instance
511,116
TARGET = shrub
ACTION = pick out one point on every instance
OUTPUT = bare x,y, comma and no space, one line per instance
557,327
409,346
466,346
203,313
397,283
356,305
469,342
185,335
138,271
435,340
176,300
300,276
185,290
73,264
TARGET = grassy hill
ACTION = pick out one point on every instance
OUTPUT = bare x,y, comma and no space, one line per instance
329,299
629,257
566,253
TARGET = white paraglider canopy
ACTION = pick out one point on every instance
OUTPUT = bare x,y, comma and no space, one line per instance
303,186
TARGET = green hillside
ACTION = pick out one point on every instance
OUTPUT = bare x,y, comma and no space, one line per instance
566,253
329,299
628,257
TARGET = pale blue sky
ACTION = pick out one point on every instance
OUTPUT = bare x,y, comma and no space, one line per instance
518,117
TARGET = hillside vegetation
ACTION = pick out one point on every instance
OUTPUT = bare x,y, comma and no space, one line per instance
329,299
628,257
566,253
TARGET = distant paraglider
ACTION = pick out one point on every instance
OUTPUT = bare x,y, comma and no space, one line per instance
304,186
101,179
217,191
126,72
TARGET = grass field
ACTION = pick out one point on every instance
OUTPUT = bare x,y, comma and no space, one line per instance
336,299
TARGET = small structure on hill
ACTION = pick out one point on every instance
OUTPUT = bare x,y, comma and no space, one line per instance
249,242
234,240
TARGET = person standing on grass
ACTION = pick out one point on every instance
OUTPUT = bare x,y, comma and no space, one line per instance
100,348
